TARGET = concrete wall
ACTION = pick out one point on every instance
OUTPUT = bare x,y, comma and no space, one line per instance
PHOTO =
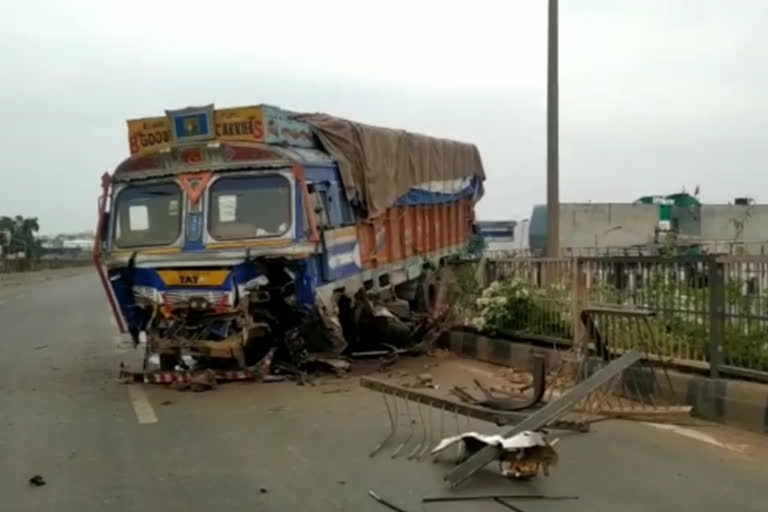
586,225
598,224
717,222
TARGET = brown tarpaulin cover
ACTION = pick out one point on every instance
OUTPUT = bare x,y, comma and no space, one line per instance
378,165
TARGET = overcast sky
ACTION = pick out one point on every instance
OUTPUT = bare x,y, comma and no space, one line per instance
656,95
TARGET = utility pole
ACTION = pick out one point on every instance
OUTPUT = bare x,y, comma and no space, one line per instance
553,172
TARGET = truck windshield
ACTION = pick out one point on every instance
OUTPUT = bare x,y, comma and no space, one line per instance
250,207
148,215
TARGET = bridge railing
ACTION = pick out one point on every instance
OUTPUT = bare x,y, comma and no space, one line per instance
709,312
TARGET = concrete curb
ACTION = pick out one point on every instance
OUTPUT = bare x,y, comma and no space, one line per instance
732,402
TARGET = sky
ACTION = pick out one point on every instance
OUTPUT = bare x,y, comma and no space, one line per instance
655,95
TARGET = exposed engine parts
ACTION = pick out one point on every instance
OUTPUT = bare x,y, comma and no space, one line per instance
218,329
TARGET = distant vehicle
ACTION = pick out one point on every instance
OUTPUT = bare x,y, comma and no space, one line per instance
226,229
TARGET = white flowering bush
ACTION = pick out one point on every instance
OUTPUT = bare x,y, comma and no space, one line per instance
513,305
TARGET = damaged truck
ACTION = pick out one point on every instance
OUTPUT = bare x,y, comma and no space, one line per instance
234,235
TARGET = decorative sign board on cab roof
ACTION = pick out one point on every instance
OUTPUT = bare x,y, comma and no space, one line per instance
260,123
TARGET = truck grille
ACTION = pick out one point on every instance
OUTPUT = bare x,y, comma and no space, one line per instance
147,295
175,297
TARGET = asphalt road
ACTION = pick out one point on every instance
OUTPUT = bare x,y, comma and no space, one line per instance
102,445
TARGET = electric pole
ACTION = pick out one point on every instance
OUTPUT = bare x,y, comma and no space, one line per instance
553,187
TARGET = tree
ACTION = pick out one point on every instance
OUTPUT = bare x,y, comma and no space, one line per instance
7,227
17,234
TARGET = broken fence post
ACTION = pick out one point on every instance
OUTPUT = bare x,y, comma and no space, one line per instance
542,417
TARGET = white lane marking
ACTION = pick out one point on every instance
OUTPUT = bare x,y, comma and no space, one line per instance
697,435
141,406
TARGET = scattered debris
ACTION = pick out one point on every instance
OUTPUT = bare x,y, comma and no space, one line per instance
520,456
274,335
425,379
336,390
266,362
533,497
515,376
385,502
545,415
336,365
37,481
507,504
180,378
40,347
196,382
263,490
341,482
166,402
509,402
421,381
441,353
204,381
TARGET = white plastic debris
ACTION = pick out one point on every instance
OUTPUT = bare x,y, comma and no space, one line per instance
526,439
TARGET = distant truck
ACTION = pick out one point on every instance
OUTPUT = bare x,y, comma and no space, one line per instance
226,229
504,237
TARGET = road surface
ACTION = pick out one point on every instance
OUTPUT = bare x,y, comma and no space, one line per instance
101,445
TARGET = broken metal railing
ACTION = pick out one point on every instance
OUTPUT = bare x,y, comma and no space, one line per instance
411,403
595,379
545,416
644,391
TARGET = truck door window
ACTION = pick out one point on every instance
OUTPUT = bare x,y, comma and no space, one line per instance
318,202
347,217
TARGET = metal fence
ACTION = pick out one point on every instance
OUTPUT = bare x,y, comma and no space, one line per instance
708,312
705,246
